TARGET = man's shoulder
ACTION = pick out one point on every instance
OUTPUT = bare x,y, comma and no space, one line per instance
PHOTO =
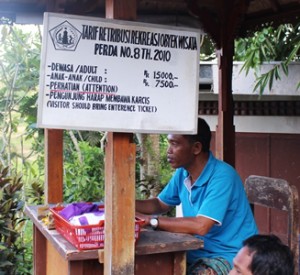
221,163
223,169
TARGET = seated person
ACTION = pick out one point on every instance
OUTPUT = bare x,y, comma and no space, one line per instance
214,203
263,255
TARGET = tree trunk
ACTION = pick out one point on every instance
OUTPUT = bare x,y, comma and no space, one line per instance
150,164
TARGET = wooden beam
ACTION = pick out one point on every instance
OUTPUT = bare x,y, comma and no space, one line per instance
231,16
180,263
225,142
119,249
53,166
225,132
54,144
120,9
39,252
119,205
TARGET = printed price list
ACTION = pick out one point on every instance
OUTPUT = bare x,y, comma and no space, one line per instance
160,79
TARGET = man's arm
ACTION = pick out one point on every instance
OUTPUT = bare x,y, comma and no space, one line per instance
191,225
151,206
145,209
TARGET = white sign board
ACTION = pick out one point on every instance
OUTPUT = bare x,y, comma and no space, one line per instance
109,75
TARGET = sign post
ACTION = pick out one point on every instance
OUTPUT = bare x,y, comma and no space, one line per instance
118,76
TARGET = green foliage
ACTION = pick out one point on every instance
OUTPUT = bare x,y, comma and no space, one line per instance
156,169
166,169
35,193
157,181
19,75
84,176
13,256
20,143
269,44
207,49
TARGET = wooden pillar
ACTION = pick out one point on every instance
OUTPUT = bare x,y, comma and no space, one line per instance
225,131
120,9
53,166
53,187
40,254
119,181
119,204
53,148
230,17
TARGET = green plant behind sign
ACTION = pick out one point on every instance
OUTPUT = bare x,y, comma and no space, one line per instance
269,44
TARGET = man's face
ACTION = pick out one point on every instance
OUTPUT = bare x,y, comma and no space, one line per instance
180,152
241,262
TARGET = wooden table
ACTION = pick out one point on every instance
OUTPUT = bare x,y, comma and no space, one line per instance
157,252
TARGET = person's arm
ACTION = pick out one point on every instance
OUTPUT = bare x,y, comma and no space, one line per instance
192,225
151,206
146,209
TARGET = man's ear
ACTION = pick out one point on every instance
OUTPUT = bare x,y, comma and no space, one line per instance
197,148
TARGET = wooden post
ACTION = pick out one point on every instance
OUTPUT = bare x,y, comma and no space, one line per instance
119,181
53,187
225,131
53,166
40,254
53,150
119,204
231,15
120,9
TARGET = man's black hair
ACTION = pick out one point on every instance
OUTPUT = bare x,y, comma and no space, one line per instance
270,256
203,135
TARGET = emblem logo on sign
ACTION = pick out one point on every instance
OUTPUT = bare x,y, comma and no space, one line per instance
65,36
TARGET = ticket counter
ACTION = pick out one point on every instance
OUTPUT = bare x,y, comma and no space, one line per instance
157,252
